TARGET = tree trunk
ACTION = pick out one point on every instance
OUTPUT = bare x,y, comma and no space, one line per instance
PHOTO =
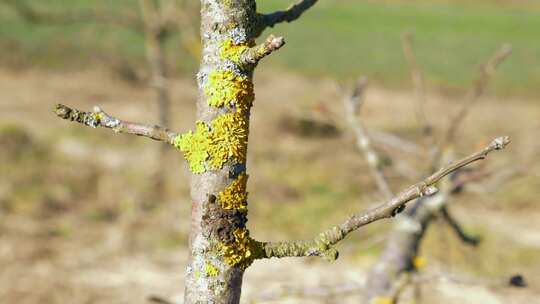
216,152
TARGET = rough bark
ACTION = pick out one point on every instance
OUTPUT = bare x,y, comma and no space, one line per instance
219,241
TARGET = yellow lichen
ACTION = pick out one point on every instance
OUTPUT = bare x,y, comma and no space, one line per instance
261,51
243,251
382,300
230,51
228,139
211,270
419,262
195,147
234,197
224,88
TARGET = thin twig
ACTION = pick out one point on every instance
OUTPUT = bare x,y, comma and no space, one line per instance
255,54
292,13
395,142
418,81
98,118
323,245
478,88
456,227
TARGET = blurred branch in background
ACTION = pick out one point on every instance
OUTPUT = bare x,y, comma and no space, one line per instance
32,15
402,248
158,21
175,17
419,87
487,70
324,244
155,39
353,103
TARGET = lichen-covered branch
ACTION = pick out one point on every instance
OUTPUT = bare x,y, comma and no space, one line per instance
98,118
255,54
353,103
323,244
292,13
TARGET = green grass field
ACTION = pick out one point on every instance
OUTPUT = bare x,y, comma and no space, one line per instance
336,38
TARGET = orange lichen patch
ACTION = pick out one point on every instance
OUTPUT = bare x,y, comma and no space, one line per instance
224,88
234,197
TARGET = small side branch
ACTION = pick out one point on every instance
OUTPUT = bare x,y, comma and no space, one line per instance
456,227
255,54
292,13
98,118
323,245
486,72
395,142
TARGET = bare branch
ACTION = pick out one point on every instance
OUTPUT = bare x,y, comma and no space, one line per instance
396,142
486,71
292,13
255,54
98,118
323,245
353,103
456,227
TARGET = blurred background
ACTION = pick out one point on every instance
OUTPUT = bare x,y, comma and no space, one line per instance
88,216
